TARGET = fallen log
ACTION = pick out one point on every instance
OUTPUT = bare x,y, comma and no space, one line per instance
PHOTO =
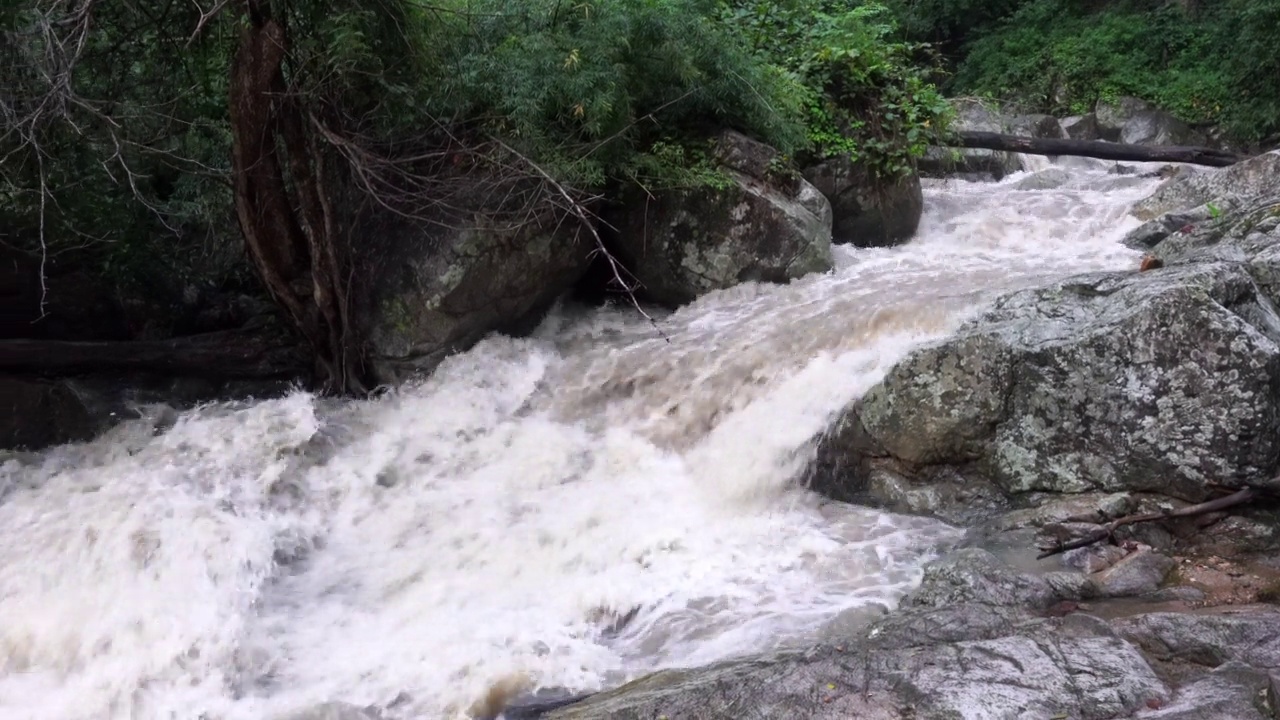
230,354
1094,149
1108,530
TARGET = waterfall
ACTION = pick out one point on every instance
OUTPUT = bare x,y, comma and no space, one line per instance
570,509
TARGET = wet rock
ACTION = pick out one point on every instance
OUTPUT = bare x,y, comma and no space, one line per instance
1248,532
1073,585
1049,509
1250,635
1005,666
1113,115
965,645
438,289
973,115
536,704
1233,691
1252,178
1156,127
1094,558
37,413
944,493
1155,231
1180,593
765,225
1039,126
1114,382
866,212
1081,127
1137,574
1046,179
973,575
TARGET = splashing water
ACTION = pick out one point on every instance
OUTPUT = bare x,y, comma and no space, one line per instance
566,510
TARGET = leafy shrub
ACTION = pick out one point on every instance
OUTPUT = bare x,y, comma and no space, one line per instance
865,96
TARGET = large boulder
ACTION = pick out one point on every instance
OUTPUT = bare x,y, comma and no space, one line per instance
1252,178
1157,127
1036,126
1166,381
431,289
763,224
1112,115
867,212
973,115
1081,127
1136,122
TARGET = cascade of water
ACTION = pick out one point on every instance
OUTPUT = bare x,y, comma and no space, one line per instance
568,509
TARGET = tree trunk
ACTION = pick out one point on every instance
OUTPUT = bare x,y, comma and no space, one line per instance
245,354
1096,149
282,202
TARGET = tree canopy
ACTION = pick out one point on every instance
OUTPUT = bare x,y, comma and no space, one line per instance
153,141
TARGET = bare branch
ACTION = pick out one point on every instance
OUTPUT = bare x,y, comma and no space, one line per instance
586,217
1239,497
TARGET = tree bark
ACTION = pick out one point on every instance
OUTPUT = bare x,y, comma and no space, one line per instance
242,354
282,203
1096,149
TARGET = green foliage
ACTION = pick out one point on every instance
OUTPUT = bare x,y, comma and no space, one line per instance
1216,66
125,168
122,168
865,96
584,87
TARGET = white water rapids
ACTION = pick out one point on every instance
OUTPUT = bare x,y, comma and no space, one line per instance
485,527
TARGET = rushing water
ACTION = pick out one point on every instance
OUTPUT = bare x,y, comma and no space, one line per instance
566,510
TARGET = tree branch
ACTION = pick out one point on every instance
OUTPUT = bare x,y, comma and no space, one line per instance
1239,497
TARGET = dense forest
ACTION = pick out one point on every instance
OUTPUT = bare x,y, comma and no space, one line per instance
175,150
1210,62
149,142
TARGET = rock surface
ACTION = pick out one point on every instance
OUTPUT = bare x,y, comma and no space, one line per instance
1248,635
973,115
1081,127
1113,381
1252,178
762,226
1156,127
866,213
963,646
979,639
439,290
1112,115
1036,126
1135,122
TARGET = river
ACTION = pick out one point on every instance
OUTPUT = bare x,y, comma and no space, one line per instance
566,510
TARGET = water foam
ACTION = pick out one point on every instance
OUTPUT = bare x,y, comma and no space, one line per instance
567,510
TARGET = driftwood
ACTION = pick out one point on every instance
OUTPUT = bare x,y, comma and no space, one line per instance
1238,497
1095,149
240,354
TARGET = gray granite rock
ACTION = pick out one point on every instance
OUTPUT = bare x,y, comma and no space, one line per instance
760,226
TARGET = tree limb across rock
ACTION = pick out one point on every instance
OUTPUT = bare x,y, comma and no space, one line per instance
1095,149
239,354
1239,497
